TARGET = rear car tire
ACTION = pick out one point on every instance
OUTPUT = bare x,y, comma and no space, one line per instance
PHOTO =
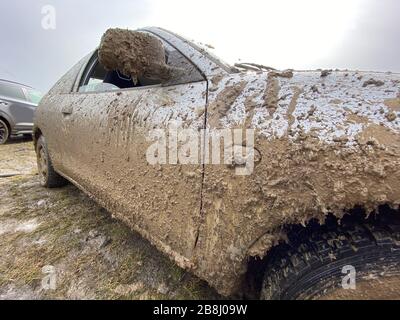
317,266
4,131
48,177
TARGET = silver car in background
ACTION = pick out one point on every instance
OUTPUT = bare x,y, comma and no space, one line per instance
18,103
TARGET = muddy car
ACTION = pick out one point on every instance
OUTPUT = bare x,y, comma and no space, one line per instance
265,183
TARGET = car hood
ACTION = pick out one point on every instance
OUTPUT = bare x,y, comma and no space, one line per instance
333,106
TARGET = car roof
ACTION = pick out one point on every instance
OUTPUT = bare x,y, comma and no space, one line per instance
16,83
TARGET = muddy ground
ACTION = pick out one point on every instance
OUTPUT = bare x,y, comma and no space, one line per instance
62,235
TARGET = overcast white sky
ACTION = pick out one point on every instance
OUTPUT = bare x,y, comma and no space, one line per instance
300,34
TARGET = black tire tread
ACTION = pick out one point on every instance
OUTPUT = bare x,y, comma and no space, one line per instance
292,262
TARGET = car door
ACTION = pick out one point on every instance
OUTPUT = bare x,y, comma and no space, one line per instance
20,110
106,137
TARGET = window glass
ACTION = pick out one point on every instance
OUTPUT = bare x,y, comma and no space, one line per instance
33,96
177,60
11,91
97,79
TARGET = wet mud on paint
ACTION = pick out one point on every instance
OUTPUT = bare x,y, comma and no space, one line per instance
135,54
328,143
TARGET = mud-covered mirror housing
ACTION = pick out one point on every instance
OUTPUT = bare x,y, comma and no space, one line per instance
136,54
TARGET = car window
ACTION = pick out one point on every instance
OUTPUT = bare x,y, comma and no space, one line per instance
33,95
11,91
177,60
96,79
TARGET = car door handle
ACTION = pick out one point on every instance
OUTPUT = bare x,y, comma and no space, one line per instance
3,103
66,110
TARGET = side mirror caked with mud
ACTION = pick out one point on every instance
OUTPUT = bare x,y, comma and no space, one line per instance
136,54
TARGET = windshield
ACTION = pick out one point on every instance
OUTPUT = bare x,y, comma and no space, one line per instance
33,95
207,50
210,52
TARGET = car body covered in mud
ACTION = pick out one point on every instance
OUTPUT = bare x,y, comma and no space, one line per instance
324,143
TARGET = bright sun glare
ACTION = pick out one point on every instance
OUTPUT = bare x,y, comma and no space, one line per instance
283,34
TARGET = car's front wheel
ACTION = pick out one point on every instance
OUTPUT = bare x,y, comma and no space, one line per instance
361,261
48,177
4,132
